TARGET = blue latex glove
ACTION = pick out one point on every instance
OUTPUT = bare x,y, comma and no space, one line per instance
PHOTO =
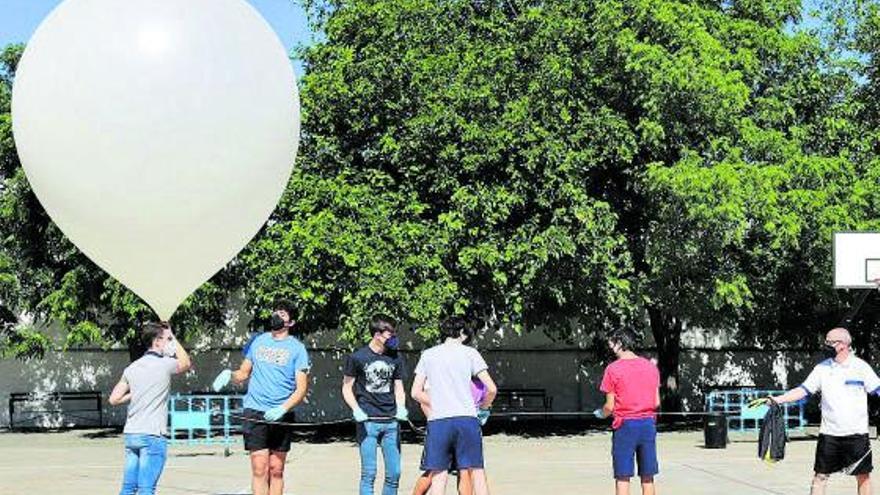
222,380
599,413
275,413
359,415
402,413
483,416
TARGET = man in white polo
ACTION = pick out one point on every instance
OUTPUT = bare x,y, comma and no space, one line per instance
845,382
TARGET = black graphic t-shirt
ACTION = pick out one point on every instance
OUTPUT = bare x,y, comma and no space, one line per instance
374,376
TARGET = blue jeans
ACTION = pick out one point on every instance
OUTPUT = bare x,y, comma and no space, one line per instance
144,460
374,434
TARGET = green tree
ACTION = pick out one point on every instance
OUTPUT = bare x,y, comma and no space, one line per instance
669,162
423,96
558,164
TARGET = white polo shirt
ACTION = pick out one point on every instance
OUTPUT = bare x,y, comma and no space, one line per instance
845,387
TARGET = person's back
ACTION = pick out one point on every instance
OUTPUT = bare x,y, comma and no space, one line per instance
450,367
632,394
634,383
453,426
149,379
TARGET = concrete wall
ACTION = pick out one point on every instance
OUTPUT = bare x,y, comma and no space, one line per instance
569,374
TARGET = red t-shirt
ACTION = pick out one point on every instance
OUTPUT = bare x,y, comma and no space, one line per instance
634,383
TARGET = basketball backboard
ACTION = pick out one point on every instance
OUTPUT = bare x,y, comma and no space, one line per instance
856,259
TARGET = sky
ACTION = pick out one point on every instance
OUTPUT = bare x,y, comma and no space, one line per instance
19,19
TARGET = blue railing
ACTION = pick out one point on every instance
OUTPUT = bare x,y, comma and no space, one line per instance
204,419
740,417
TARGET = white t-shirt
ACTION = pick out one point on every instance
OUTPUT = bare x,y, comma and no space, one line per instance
449,367
845,388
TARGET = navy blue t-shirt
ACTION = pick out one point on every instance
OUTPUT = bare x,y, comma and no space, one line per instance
374,375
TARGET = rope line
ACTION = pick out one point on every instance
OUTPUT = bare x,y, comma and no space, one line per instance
500,414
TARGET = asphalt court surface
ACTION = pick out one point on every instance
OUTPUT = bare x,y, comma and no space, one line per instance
88,462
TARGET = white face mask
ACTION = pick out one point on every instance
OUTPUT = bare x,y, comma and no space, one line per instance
170,349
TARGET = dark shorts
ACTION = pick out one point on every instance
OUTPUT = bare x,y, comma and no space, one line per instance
259,435
453,466
458,438
636,439
833,454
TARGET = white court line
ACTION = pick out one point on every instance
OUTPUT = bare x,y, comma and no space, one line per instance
732,479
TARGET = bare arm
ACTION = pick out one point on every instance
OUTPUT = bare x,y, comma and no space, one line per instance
608,408
184,362
792,395
121,393
348,392
657,400
243,373
399,393
418,392
302,388
491,389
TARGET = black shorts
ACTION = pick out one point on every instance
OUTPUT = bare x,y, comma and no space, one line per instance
833,454
259,435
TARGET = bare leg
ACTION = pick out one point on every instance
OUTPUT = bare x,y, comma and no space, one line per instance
818,486
481,484
621,486
648,485
864,482
260,472
276,472
465,482
423,484
438,482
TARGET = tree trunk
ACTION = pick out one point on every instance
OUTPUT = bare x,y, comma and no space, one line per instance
667,334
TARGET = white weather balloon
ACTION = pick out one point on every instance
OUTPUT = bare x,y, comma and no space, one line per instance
158,134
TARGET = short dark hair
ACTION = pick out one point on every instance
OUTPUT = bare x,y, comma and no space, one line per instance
625,337
382,323
151,331
452,327
284,305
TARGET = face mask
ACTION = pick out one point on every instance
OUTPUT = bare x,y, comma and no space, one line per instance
392,343
829,352
468,337
170,349
275,322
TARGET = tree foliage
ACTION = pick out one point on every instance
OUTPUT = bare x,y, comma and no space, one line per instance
563,165
668,162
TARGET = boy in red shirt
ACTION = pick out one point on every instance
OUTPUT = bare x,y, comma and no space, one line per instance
632,394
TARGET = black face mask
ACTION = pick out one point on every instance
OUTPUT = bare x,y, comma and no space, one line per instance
275,322
829,352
